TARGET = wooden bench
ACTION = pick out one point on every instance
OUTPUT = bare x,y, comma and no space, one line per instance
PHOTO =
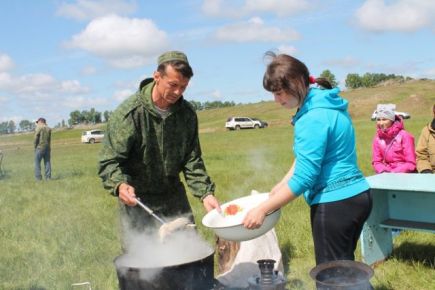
400,201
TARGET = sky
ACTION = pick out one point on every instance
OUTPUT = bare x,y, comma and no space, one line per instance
58,56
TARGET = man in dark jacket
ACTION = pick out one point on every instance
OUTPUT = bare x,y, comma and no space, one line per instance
41,143
151,138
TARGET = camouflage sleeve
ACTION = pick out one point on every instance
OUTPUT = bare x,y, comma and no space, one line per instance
195,172
37,136
117,143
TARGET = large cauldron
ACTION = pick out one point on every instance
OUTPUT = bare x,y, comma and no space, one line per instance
191,275
343,275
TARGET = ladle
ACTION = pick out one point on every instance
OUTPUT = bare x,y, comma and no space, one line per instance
150,211
167,227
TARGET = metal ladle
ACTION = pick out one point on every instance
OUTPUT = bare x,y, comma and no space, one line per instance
167,227
150,211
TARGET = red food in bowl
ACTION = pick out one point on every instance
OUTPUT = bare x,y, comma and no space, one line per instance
232,209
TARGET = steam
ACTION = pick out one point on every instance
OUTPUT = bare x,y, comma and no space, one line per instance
145,250
259,161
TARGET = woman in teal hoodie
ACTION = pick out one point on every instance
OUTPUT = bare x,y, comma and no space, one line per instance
325,168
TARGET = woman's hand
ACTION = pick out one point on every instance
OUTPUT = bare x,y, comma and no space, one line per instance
254,218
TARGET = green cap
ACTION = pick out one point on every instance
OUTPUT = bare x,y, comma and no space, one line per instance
171,56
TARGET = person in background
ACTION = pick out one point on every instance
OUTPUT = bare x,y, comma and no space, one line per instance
42,145
425,149
393,148
151,138
325,168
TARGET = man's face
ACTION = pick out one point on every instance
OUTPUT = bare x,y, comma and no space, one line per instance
171,85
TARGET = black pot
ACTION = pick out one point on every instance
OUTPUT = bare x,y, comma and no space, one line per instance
192,275
342,275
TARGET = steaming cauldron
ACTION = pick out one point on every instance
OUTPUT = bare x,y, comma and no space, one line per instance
343,275
191,275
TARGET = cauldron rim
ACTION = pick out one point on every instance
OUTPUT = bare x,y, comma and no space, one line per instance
211,252
342,263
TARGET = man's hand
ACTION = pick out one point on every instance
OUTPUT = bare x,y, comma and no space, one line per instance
126,194
210,202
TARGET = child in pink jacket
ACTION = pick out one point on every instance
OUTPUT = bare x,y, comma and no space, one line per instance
393,147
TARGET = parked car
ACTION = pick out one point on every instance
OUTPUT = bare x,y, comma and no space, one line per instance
237,123
92,136
403,115
263,124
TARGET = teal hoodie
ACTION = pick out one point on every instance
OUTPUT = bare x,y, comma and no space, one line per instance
326,167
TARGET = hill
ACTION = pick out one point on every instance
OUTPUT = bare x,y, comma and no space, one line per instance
415,97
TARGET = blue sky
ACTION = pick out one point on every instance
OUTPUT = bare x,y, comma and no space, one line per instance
58,56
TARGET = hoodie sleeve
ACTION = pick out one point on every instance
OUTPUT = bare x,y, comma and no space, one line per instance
378,157
408,163
311,137
37,137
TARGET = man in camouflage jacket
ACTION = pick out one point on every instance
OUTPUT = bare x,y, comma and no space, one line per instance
42,147
151,138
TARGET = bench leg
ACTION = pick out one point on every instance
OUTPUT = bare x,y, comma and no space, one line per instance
376,243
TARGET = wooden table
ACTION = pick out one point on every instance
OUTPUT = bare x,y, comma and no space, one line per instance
400,201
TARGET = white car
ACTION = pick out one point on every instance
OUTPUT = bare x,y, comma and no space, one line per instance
403,115
237,123
92,136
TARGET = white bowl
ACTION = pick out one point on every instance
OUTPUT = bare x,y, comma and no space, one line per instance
230,227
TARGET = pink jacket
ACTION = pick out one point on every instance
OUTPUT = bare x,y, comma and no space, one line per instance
393,149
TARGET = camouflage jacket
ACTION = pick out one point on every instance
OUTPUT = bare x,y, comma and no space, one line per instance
149,153
42,137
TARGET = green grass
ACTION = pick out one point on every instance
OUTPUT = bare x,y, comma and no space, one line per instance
56,233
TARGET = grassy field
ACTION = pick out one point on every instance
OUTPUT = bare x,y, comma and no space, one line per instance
65,231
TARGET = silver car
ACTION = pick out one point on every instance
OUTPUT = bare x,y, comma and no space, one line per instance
92,136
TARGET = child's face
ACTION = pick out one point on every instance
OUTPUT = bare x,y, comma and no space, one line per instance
384,123
286,100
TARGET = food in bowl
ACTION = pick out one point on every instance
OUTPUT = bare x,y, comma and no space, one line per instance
230,227
232,209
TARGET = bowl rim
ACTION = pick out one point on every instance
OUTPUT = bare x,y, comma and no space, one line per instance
240,224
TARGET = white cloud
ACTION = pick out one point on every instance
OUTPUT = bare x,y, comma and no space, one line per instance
430,73
6,62
89,9
40,95
216,95
5,80
402,15
121,95
254,30
34,86
123,42
278,7
3,99
88,70
227,8
287,49
83,102
218,8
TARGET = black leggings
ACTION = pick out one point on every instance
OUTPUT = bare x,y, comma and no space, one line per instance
336,226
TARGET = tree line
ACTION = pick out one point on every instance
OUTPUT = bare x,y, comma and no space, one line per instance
92,116
368,80
353,81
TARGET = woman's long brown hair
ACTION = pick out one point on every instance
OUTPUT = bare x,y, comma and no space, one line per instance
289,74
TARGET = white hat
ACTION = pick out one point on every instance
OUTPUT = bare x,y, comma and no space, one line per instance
386,111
